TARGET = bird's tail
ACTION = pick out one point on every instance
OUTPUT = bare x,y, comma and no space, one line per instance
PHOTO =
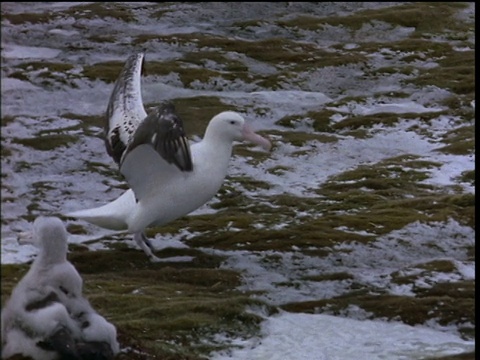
111,216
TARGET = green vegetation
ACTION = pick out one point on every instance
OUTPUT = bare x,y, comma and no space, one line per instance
101,10
449,303
456,72
173,310
178,307
389,195
47,142
425,18
51,67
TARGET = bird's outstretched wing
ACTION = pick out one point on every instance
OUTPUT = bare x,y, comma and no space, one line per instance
125,109
164,131
128,125
158,152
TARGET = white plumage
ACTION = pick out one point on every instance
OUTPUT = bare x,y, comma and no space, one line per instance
48,301
168,178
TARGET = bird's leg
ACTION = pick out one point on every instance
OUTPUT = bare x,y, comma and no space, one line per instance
147,241
145,245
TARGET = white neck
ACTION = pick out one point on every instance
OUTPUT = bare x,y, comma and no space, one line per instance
53,255
216,150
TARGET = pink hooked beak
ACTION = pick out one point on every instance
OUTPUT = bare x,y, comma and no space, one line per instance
250,135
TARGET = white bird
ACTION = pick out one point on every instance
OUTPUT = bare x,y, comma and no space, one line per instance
168,178
45,315
33,311
26,324
94,326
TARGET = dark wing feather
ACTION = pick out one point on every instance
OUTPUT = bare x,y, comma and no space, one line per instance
164,131
125,109
62,342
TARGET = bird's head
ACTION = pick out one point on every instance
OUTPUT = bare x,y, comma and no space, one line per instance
232,126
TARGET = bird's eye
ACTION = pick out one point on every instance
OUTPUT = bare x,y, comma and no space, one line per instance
232,122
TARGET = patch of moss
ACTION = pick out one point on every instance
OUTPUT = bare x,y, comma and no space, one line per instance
465,148
423,17
106,71
384,175
7,119
377,221
288,121
460,105
277,51
192,67
392,95
389,195
76,229
196,112
105,170
32,18
387,119
460,141
50,66
297,202
468,176
156,305
249,183
420,47
101,10
185,301
47,142
405,70
423,164
189,74
439,266
245,24
248,151
269,239
87,122
354,122
280,227
200,58
321,120
102,38
436,303
278,170
425,269
20,75
329,277
5,150
21,165
48,80
300,138
40,188
158,14
463,356
456,72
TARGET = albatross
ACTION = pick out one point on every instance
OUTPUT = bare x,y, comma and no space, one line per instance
168,177
46,316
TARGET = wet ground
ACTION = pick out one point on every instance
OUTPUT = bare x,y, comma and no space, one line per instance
364,209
